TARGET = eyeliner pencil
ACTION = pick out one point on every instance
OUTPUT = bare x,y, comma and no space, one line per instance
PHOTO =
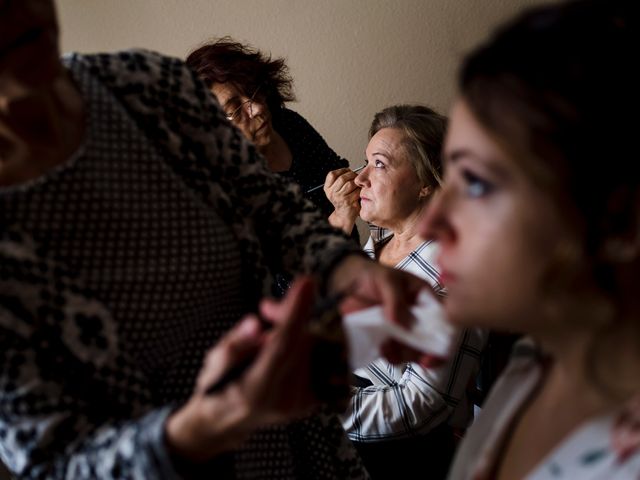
231,375
322,184
238,369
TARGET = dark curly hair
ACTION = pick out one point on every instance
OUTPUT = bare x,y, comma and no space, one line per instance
227,61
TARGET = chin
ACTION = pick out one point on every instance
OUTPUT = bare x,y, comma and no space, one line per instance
459,313
465,316
366,216
262,140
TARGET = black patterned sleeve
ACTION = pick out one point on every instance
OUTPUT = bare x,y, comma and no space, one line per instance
313,158
72,404
277,228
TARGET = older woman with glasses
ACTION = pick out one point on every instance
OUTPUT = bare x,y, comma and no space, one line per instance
252,88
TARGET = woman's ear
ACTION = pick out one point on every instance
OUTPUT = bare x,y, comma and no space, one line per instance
425,192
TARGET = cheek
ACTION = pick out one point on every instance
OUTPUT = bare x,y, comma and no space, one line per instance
500,271
499,298
383,199
370,210
244,128
399,195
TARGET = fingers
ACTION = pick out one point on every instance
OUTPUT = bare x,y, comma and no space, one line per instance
395,289
354,303
397,352
294,307
248,336
399,293
275,387
339,184
290,337
334,175
241,341
284,360
392,298
208,425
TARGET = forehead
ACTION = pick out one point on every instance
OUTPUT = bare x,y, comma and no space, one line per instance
467,140
225,91
466,134
387,141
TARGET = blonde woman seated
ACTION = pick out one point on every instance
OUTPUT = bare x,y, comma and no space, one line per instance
407,408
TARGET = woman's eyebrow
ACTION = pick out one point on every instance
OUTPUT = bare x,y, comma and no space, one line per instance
455,155
487,161
234,99
385,155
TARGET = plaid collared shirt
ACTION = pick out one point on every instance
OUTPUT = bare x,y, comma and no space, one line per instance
406,400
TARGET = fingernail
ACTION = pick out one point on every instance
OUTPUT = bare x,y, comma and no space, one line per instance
248,327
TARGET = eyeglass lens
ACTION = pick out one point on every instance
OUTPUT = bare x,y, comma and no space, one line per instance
235,114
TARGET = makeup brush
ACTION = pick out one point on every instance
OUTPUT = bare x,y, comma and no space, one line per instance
328,354
322,184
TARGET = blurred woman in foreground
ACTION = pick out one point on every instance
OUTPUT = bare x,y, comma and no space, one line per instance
538,220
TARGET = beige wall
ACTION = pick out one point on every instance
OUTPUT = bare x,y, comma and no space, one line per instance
349,58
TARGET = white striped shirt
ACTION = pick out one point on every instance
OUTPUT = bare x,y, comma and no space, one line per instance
406,400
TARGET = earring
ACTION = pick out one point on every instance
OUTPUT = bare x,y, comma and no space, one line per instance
424,192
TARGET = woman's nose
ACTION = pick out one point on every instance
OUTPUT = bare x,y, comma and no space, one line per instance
363,177
254,108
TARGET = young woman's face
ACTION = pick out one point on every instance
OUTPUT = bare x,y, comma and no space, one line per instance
497,232
29,55
389,186
247,112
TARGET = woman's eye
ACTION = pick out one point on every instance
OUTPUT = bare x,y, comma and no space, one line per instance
231,107
475,186
378,164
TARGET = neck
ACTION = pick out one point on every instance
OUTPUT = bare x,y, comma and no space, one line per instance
569,389
406,231
38,130
405,239
276,153
573,360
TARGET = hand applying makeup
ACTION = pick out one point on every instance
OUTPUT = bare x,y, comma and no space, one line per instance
212,422
344,194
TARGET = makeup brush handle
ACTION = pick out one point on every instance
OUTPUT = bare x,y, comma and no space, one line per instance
317,187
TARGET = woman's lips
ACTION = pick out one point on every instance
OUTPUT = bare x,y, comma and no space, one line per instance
260,131
446,278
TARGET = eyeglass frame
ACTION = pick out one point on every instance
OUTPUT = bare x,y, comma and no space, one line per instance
235,114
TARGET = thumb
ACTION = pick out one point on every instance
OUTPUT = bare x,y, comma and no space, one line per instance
241,341
294,307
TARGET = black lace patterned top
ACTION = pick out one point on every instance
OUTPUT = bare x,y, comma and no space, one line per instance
121,267
312,157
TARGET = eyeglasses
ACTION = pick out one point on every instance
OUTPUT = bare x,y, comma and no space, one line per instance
237,110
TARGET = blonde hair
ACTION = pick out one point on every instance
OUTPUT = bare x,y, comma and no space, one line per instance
423,129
